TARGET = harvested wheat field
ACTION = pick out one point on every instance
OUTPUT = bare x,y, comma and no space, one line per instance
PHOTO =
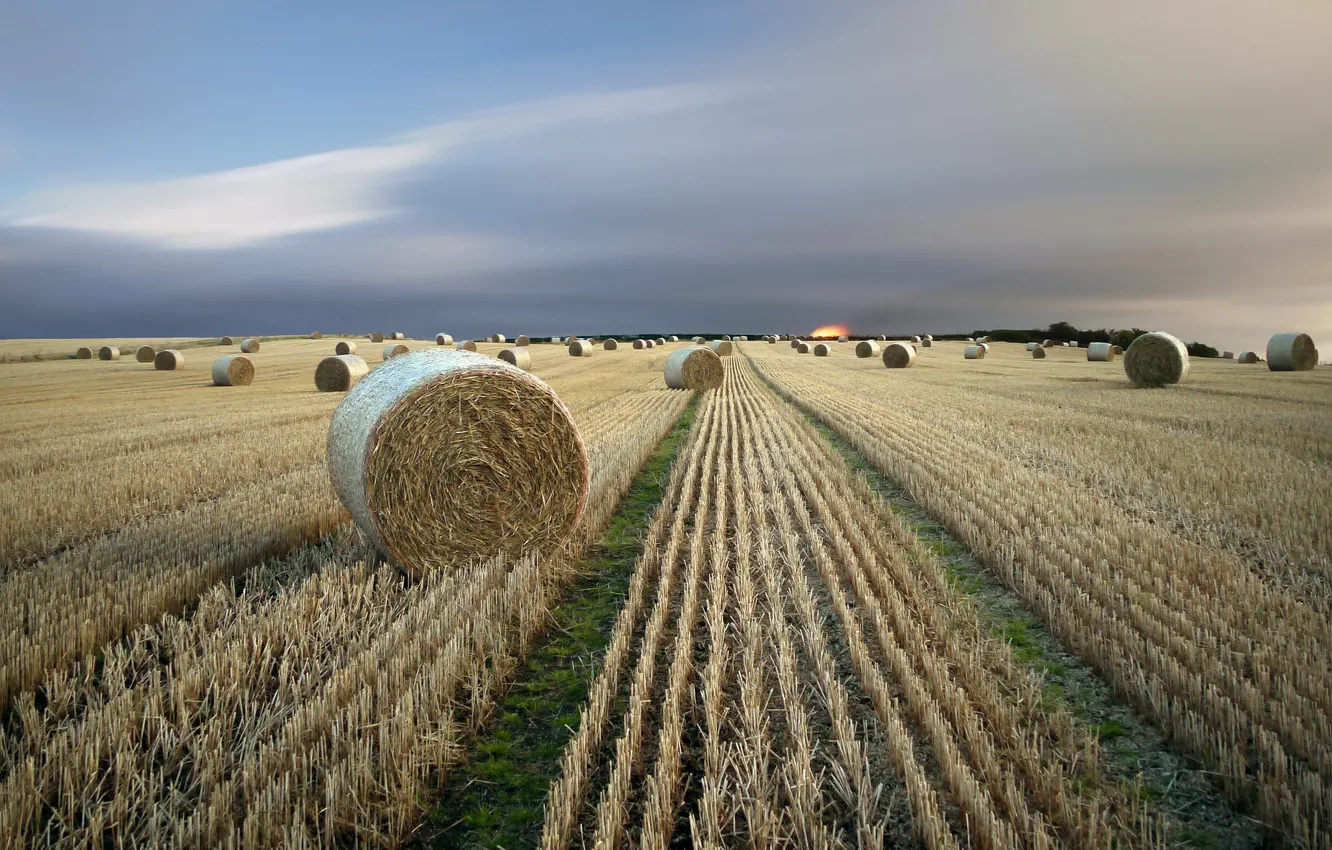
975,603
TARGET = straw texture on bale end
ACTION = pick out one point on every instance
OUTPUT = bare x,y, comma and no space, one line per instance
726,337
899,355
443,339
145,353
640,345
226,340
694,368
448,457
84,353
698,340
974,352
108,352
772,340
1292,352
519,358
523,340
168,360
1100,352
339,373
466,345
1248,357
1049,343
316,335
927,342
1038,353
233,370
345,347
249,346
610,345
499,338
580,348
867,348
802,348
394,349
1156,359
723,347
376,337
823,349
651,343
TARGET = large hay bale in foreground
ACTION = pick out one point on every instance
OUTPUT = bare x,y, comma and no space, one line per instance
823,349
523,340
1248,357
249,346
723,347
376,337
226,340
466,345
517,357
610,345
866,348
1038,353
899,355
339,373
1100,352
394,349
108,352
694,367
443,339
580,348
233,370
316,335
803,348
145,354
974,352
449,457
168,360
1156,359
84,353
1291,352
345,347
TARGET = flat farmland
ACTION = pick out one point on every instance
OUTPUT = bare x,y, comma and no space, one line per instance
991,603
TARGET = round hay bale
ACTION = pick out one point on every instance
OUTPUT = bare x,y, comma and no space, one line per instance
1291,352
580,348
610,345
844,338
316,335
556,340
345,347
698,340
1227,355
376,337
661,340
927,342
84,353
1063,345
1248,357
726,337
971,339
443,339
823,349
694,368
867,348
108,352
1156,359
1075,344
929,337
723,347
881,338
1038,353
640,345
447,457
523,340
974,352
394,349
339,373
501,338
651,343
249,346
803,348
1100,352
916,340
466,345
984,346
795,343
233,370
518,357
1032,346
168,360
569,340
226,340
673,338
899,355
145,354
984,339
1049,343
772,340
397,335
1119,350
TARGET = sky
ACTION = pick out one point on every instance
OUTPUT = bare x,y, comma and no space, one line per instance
199,168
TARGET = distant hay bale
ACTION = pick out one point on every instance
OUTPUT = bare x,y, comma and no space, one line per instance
339,373
443,339
661,340
503,472
971,339
226,340
1100,352
698,340
1248,357
866,348
899,355
518,357
249,346
802,348
316,335
773,339
723,347
1049,343
84,353
570,340
145,354
823,349
580,348
974,352
795,343
984,339
1032,346
556,340
1064,345
640,344
1156,359
523,339
985,346
168,360
1074,344
881,338
673,338
345,347
500,338
233,370
927,342
694,368
398,335
1291,352
929,337
1119,350
916,340
108,352
1227,355
1038,353
376,337
726,337
651,343
394,349
610,345
844,338
466,345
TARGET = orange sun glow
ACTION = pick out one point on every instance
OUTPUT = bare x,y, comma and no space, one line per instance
831,330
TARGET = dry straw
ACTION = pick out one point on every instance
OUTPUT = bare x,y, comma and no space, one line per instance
168,360
1248,357
108,352
316,335
867,348
1291,352
1156,359
523,340
974,352
443,339
84,353
802,348
1100,352
376,337
145,354
394,349
466,345
249,346
723,347
339,373
226,340
517,357
345,347
1038,353
580,348
823,349
899,355
233,370
694,368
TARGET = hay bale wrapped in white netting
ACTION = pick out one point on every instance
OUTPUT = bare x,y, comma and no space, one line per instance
927,342
108,352
772,340
145,354
610,345
443,339
83,353
1156,359
1049,343
971,339
881,338
556,340
1292,352
226,340
233,370
673,338
694,367
1038,353
652,343
899,355
168,360
726,337
1032,346
376,337
316,335
523,339
466,345
394,349
930,337
345,347
501,338
974,352
249,346
397,335
984,339
915,340
580,348
1248,357
803,348
796,343
1100,352
867,348
640,345
1227,355
449,457
519,358
823,349
339,373
661,340
698,340
844,338
723,347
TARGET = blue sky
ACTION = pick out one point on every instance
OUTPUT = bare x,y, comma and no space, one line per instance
194,167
